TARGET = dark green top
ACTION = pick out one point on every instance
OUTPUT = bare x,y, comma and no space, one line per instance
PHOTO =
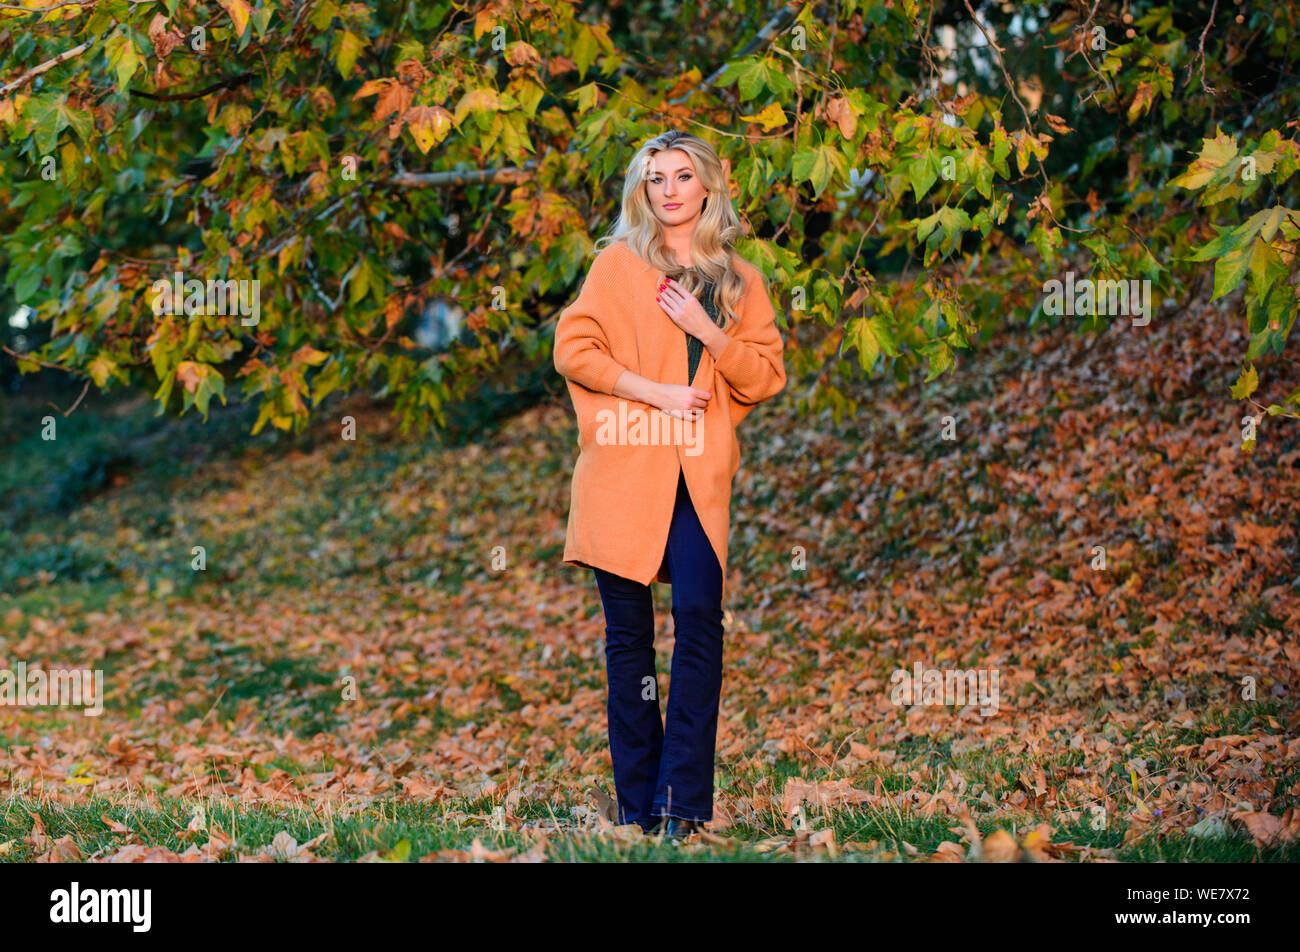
695,346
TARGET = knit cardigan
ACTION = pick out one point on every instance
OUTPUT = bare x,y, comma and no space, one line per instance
630,454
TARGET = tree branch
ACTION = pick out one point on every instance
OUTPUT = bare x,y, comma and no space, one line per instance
510,175
1200,51
997,50
233,83
55,6
49,64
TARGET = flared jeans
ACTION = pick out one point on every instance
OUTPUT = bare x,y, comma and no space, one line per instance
665,769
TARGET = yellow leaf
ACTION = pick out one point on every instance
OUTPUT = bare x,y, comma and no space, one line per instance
309,355
429,125
1215,154
287,254
11,108
239,12
100,368
770,118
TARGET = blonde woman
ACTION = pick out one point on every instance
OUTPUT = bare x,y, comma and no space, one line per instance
671,342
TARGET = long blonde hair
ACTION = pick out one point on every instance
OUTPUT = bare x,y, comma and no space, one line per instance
715,231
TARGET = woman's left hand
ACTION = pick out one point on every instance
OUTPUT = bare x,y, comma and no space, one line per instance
685,310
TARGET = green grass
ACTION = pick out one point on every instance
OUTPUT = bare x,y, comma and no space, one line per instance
381,826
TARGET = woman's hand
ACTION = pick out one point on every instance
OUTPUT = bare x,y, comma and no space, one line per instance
686,311
688,403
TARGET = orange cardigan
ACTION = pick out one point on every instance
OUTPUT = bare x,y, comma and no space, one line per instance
630,453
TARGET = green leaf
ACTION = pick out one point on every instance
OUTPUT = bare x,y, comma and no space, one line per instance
1229,270
1266,266
1259,344
26,285
923,172
905,130
123,58
944,228
977,167
360,283
752,75
818,166
201,382
348,49
748,75
860,335
1216,246
1001,149
82,123
926,225
940,358
164,390
1273,218
585,49
46,117
1238,237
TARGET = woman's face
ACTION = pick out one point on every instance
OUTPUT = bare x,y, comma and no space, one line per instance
676,193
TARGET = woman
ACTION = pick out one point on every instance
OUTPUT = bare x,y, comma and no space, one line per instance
650,501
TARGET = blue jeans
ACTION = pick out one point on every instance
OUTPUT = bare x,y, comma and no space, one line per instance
660,771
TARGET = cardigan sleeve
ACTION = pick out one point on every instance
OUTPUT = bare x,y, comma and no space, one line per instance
582,350
753,362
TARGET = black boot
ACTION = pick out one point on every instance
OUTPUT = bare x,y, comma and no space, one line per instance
678,829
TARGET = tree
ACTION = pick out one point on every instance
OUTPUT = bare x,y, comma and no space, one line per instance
911,175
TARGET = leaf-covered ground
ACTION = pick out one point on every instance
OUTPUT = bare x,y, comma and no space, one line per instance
1126,730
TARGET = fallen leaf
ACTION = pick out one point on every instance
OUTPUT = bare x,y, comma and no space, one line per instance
1001,847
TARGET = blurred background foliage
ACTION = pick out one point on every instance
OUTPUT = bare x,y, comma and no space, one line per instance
910,174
